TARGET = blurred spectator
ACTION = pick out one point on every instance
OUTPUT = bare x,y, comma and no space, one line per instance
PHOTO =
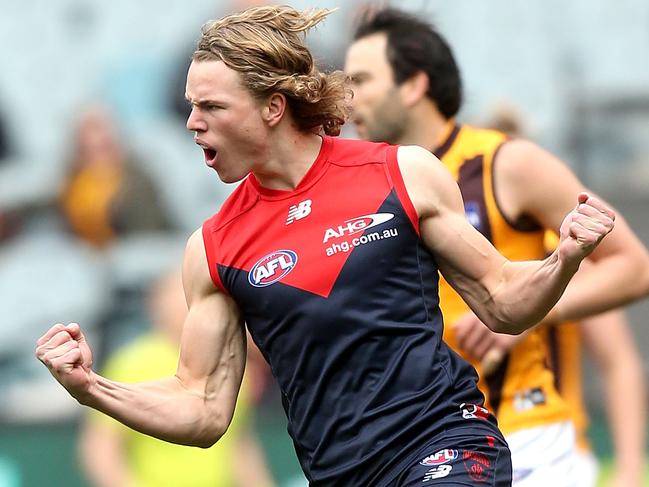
507,119
9,220
10,223
106,194
5,146
113,455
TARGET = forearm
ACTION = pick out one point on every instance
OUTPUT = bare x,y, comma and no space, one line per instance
165,409
526,292
603,285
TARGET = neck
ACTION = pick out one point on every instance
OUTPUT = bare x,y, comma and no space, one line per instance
425,128
288,157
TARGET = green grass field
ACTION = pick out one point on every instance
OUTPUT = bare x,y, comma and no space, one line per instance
607,472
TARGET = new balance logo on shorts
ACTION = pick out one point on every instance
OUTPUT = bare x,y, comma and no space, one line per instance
437,473
299,211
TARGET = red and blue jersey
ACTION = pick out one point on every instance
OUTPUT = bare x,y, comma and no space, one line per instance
340,294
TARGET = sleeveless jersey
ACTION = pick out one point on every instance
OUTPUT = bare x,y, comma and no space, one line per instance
521,391
340,294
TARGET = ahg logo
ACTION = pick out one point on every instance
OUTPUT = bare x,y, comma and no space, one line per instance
356,225
272,267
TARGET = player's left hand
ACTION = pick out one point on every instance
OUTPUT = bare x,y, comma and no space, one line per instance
584,228
485,346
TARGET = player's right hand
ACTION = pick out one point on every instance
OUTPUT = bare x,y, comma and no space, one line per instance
584,228
64,351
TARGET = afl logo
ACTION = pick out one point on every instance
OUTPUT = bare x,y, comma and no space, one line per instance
440,458
272,267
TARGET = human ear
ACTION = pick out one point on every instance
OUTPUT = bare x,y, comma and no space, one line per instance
414,88
274,108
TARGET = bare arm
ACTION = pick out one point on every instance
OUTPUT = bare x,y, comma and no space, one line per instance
507,296
530,181
195,406
485,346
610,342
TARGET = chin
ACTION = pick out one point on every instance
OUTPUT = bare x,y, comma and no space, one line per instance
231,178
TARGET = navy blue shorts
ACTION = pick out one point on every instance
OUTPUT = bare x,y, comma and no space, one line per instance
463,460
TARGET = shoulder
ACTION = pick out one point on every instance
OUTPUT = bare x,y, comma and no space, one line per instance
195,243
350,152
197,280
480,138
429,184
523,161
535,181
417,158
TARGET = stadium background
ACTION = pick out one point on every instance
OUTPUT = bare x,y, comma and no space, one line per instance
576,72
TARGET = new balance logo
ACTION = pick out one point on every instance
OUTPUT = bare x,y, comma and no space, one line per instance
299,211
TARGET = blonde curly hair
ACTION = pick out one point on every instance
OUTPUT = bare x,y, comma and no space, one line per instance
266,45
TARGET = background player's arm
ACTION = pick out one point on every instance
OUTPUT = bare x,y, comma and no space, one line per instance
610,342
507,296
530,181
195,406
102,454
479,342
251,468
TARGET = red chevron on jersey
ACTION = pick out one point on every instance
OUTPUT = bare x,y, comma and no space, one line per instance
303,238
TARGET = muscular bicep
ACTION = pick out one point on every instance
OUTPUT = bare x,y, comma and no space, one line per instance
465,258
213,345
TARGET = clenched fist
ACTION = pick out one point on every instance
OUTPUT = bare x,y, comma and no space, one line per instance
584,227
64,351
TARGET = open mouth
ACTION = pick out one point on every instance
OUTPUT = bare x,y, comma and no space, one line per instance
208,152
210,156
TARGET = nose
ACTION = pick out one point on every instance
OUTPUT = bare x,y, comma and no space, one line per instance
195,122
